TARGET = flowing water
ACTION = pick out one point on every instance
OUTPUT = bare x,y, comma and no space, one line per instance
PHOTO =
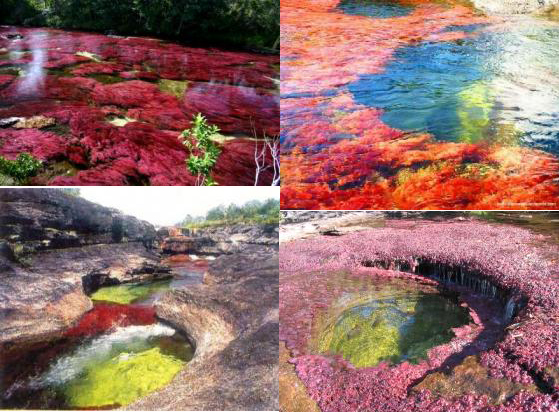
393,321
400,104
116,353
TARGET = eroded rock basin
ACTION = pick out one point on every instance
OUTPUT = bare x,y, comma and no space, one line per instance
108,110
392,321
503,357
116,353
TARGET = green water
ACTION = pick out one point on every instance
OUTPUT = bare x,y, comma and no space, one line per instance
123,379
130,293
114,369
395,322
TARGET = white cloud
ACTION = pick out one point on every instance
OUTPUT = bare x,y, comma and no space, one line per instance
168,205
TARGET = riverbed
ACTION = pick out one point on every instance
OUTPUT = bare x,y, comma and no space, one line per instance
108,110
118,352
416,104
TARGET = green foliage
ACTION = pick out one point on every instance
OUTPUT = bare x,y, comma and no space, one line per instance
71,192
253,211
23,167
203,151
239,23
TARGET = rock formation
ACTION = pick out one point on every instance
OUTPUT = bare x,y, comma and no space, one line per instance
56,247
233,320
220,240
514,6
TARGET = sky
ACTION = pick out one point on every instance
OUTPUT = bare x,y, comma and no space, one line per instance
165,206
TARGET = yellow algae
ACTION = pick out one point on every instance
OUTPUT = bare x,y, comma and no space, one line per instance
474,108
128,293
176,88
123,379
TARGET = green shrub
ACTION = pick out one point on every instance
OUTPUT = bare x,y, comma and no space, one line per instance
203,151
23,167
254,211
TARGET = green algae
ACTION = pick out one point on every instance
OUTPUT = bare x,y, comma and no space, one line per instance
106,78
392,323
123,379
129,293
476,104
176,88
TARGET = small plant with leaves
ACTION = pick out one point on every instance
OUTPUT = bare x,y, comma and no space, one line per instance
23,167
203,151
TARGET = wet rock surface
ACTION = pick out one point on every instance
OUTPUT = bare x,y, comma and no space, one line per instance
516,367
233,321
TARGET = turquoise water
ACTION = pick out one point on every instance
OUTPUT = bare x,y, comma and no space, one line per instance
501,84
374,8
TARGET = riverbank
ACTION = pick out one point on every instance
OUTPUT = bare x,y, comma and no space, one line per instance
109,110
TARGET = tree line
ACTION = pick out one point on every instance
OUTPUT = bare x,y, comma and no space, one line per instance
235,23
254,211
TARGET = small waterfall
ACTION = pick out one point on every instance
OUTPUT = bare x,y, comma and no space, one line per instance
509,309
449,274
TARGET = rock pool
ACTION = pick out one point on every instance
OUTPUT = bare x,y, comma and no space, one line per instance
393,322
499,354
115,354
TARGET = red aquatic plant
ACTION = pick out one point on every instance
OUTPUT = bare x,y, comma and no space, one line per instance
235,90
104,317
337,154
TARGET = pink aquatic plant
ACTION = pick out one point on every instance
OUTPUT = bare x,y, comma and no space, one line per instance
504,275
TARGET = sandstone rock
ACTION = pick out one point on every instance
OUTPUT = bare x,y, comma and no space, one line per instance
514,6
35,122
233,321
54,249
220,240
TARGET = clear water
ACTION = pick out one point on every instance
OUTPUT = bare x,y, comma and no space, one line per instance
500,85
395,322
374,8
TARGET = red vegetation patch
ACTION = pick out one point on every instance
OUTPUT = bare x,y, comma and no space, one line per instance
232,89
235,109
104,317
